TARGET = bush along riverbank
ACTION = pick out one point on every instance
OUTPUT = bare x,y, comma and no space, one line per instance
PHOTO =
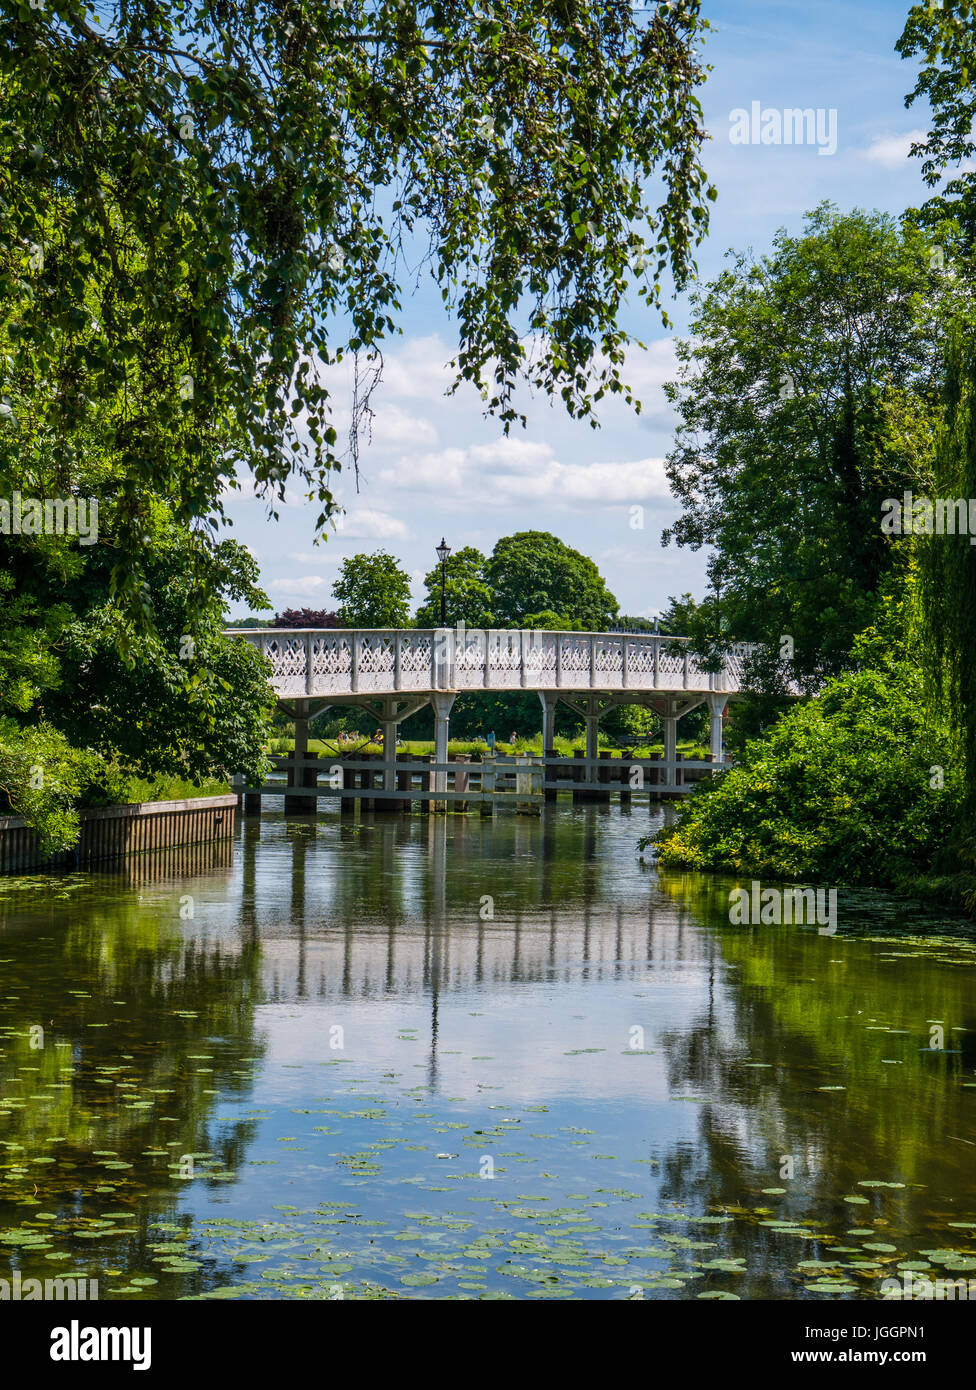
859,785
47,782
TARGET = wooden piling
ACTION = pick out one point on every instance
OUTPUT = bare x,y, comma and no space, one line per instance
579,774
549,776
425,782
366,803
626,759
462,780
603,775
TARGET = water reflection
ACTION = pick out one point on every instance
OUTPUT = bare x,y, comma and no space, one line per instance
340,1024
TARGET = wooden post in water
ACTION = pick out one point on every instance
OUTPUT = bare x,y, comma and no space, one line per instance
347,804
299,805
578,776
425,783
404,783
462,780
549,775
624,777
366,783
603,775
488,787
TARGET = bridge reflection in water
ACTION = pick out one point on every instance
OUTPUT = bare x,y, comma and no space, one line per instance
518,989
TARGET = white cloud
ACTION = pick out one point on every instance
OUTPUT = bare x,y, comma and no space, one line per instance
362,523
510,471
421,369
308,584
891,151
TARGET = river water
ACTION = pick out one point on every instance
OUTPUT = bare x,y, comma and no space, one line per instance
453,1057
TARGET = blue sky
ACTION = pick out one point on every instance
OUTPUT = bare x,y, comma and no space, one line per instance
435,466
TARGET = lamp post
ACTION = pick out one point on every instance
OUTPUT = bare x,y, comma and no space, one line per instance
442,551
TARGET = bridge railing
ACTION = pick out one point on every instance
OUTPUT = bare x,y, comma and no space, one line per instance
363,661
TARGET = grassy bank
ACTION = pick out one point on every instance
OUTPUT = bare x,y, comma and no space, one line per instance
166,788
564,747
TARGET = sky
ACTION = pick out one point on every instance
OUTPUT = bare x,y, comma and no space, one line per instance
436,467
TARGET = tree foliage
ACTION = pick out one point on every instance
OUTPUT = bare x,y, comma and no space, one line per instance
373,591
790,398
944,38
306,617
204,206
844,789
533,572
468,597
947,564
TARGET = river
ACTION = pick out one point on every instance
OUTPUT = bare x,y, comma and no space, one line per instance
453,1057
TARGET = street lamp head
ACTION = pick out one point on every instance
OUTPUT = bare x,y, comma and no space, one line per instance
442,550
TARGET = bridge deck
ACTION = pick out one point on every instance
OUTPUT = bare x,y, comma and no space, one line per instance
358,662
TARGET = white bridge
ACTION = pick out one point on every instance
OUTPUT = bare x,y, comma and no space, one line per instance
380,662
395,672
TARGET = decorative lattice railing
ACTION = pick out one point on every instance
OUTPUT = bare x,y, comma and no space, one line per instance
377,661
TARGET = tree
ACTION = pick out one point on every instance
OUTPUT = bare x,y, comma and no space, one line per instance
204,207
469,599
945,38
306,617
534,571
548,621
628,622
373,591
947,567
947,564
790,396
841,790
187,700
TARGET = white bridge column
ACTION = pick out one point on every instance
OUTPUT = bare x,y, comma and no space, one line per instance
592,742
390,726
442,702
670,722
548,700
716,708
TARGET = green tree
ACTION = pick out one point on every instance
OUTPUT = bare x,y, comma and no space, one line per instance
841,789
947,568
548,621
373,591
943,37
468,597
204,207
790,397
533,571
187,700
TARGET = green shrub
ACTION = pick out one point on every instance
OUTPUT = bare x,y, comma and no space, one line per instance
42,778
844,788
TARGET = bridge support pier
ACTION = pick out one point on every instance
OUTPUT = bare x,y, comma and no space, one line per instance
548,700
300,805
670,722
716,711
390,712
442,702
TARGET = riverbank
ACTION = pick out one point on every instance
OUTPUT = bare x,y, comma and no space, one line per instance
109,833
